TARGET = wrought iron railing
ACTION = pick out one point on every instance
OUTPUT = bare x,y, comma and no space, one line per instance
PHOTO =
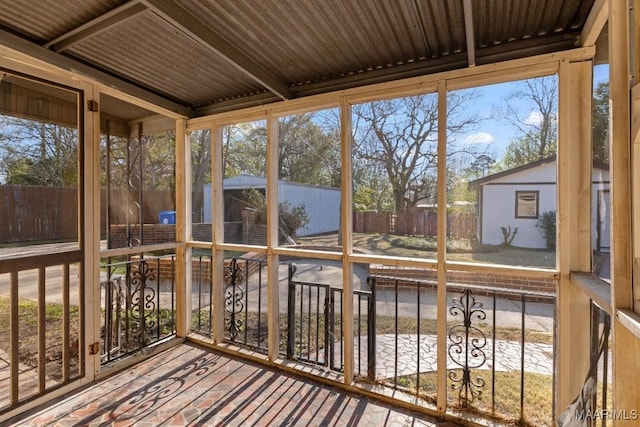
315,325
492,345
590,406
245,298
310,330
467,346
490,336
202,296
138,301
364,326
495,353
601,375
245,316
405,330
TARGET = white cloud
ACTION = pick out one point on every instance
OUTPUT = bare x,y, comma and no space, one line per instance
534,118
479,138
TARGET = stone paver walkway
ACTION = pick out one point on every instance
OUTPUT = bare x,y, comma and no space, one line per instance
538,358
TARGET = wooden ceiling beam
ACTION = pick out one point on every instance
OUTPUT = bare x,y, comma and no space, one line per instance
101,23
188,24
595,22
468,27
59,63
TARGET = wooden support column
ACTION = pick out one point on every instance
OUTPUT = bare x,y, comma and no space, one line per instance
90,221
273,305
625,240
573,251
217,234
620,153
441,294
183,229
635,153
346,218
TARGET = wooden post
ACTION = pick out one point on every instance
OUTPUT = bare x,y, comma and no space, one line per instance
273,307
625,246
183,229
635,152
573,251
91,231
620,153
346,178
217,234
441,294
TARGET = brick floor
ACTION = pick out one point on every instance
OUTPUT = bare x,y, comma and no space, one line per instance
191,385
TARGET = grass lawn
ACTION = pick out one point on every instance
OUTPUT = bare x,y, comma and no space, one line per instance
537,395
422,247
28,335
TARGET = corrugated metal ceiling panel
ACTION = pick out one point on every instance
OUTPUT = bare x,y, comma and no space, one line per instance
498,22
147,50
283,46
305,41
44,20
443,24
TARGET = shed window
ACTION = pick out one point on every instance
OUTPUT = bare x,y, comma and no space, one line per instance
527,204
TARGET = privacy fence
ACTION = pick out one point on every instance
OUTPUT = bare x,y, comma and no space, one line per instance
34,213
416,222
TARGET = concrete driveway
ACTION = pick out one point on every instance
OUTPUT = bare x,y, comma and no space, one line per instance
538,316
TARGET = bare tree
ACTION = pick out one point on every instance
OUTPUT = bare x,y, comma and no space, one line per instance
38,153
537,127
401,136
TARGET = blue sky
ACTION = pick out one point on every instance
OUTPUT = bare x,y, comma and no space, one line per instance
495,133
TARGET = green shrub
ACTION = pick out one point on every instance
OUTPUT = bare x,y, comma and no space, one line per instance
290,217
547,226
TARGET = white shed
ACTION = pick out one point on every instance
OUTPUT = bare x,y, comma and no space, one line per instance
517,197
322,204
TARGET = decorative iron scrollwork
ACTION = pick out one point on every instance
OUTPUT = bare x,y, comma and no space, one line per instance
142,301
134,170
466,347
234,274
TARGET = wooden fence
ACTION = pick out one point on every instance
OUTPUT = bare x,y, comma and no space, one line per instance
34,213
419,222
123,203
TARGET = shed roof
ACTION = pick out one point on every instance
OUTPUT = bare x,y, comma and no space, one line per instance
200,57
242,182
525,167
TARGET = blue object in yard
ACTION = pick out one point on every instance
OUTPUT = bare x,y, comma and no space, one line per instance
167,217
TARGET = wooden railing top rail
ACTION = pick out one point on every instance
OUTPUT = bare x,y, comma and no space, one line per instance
597,289
31,257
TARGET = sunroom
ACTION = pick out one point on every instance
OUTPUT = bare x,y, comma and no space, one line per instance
287,184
